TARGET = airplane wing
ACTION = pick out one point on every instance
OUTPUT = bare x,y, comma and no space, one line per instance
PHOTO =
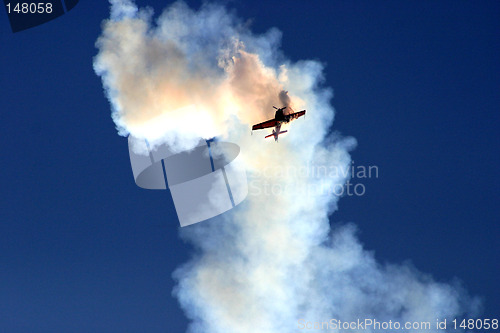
266,124
295,115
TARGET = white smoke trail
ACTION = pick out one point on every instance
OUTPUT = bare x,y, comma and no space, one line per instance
273,260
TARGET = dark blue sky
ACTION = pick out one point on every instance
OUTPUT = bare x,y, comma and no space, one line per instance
82,249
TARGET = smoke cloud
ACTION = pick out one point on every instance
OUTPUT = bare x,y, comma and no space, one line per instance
273,260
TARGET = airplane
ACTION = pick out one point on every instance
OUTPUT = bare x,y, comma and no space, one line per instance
279,118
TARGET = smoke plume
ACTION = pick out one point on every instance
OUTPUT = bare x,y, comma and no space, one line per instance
274,260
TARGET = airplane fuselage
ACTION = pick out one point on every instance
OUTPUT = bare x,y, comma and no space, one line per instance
280,118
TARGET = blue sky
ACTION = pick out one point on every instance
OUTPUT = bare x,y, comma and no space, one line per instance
416,83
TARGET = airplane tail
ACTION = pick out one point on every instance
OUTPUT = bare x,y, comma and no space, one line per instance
275,134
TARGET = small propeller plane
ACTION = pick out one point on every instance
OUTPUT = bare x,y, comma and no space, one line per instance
279,118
